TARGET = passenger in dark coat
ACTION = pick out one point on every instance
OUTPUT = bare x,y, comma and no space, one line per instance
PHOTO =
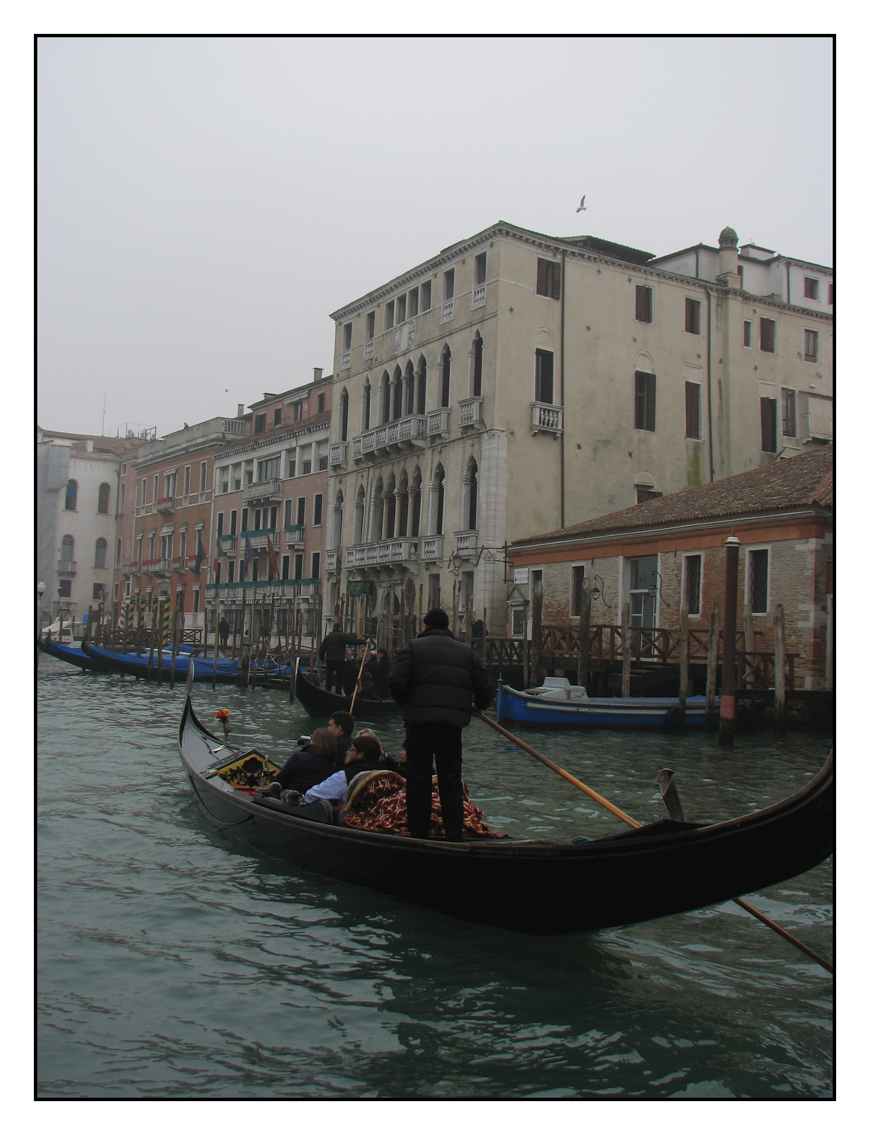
308,766
437,680
349,674
332,651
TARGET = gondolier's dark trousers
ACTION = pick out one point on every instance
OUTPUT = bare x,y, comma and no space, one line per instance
423,742
333,674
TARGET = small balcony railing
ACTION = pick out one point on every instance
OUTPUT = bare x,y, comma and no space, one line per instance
131,569
546,418
294,536
338,453
259,537
470,412
345,360
263,490
404,550
66,567
431,548
179,564
406,432
165,504
466,544
478,296
228,543
236,427
436,423
447,311
332,560
369,349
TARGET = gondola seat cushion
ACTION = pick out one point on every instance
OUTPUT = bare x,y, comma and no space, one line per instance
376,802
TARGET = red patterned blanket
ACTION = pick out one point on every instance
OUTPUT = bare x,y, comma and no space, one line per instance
376,803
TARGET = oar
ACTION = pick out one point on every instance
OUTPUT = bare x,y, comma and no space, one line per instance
359,675
634,824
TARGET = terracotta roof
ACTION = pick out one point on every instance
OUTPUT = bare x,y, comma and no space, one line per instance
795,482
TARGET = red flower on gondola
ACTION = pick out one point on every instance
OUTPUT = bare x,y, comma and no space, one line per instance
222,715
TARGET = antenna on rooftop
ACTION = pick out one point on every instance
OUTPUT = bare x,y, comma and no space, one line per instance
103,426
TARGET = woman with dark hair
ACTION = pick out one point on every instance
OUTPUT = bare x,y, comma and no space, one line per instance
309,765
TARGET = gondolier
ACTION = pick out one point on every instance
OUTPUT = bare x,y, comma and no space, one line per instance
436,680
332,653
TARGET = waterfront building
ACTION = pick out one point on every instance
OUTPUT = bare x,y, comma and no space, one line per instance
667,553
164,545
270,493
516,383
77,478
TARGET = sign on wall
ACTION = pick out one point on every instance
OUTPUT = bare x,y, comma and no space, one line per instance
521,575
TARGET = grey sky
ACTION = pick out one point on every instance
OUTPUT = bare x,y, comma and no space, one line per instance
204,204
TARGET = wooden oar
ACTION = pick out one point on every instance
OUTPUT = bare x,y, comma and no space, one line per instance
634,824
359,675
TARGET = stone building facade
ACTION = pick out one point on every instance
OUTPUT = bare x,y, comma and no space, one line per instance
663,553
517,383
270,496
77,479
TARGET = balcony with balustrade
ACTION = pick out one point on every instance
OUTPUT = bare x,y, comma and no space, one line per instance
546,418
165,504
404,550
268,492
338,454
432,549
227,543
66,567
466,544
294,536
345,359
332,560
131,568
471,413
447,311
391,437
478,296
437,422
259,537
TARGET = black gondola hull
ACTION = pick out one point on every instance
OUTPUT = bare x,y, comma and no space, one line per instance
323,703
538,887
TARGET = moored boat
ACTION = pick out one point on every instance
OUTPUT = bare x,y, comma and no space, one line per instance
533,886
324,703
558,703
72,654
137,665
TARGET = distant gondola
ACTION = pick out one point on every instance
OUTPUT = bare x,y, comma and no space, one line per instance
532,886
137,665
74,655
324,703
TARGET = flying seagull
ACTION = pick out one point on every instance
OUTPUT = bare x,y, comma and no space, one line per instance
582,205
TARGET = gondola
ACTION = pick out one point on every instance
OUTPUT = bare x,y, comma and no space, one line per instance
74,655
324,703
137,664
535,887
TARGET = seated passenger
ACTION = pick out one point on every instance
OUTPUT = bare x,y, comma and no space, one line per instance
363,756
367,690
308,766
341,727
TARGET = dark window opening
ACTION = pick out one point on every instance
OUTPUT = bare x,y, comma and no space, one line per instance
692,584
544,376
549,279
643,303
644,494
644,401
578,574
757,586
260,424
693,316
768,335
693,410
768,425
789,413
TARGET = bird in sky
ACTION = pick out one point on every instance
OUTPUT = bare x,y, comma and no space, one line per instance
582,206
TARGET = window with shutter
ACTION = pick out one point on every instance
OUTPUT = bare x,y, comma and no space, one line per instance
693,410
549,279
644,401
768,425
643,305
768,335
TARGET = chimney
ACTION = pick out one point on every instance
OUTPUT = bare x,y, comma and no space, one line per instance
240,412
728,274
318,374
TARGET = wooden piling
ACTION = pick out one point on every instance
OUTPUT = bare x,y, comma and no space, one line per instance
712,668
626,650
779,670
585,619
537,632
727,701
684,667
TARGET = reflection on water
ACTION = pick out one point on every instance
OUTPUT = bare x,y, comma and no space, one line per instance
176,962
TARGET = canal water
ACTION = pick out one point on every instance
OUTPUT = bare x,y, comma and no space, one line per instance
173,962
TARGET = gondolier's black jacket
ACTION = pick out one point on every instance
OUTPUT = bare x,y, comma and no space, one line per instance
335,644
435,678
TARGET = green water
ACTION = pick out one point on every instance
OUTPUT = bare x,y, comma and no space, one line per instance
173,962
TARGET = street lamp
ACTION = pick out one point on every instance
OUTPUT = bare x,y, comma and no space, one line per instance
598,592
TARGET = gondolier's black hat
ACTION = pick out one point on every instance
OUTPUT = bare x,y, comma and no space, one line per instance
436,618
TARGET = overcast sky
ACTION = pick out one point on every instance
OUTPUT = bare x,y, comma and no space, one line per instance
204,204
